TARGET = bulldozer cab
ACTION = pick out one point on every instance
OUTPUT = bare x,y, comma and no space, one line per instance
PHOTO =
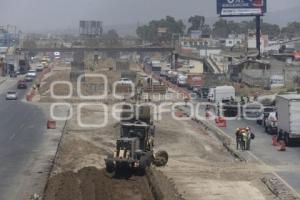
127,146
138,130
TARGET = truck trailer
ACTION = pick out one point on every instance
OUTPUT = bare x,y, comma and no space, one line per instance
194,81
288,108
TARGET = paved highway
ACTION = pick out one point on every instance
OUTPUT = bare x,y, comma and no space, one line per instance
285,163
22,126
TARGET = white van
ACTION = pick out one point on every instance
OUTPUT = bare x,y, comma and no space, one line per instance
221,93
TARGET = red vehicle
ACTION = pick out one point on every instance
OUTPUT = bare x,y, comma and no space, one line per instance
22,84
194,81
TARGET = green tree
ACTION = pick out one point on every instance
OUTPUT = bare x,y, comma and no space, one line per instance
272,30
221,29
291,30
111,38
150,32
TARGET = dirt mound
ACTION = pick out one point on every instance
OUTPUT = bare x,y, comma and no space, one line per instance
91,183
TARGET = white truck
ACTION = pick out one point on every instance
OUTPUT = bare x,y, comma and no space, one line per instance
221,93
288,108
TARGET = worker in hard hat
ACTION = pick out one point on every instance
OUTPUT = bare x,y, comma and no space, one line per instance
238,137
243,138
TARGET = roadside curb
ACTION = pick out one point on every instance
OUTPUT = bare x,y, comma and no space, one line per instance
279,188
226,140
53,161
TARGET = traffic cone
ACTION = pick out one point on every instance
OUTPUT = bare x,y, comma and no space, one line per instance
282,146
274,140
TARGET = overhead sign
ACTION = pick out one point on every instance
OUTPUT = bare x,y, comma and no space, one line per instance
227,8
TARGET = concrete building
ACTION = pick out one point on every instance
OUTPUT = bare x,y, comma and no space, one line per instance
264,41
234,40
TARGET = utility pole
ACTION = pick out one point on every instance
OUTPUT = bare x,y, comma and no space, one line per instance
258,31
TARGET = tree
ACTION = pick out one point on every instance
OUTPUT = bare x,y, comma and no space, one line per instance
273,30
291,30
223,28
150,32
197,22
220,29
111,38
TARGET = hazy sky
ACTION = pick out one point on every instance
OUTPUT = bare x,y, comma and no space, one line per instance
57,14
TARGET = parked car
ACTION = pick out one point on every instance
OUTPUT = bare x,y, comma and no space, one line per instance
11,95
22,84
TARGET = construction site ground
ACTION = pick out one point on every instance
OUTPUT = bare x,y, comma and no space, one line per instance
199,166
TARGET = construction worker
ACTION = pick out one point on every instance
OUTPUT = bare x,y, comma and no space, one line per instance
280,136
243,138
237,138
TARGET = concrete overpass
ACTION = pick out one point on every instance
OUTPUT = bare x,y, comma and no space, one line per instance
102,49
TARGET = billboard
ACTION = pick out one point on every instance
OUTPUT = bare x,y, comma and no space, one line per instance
90,28
227,8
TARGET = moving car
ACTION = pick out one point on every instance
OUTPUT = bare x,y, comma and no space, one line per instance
39,68
22,84
28,78
31,73
11,95
181,80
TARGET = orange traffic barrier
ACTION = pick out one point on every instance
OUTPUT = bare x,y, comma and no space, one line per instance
51,124
29,97
274,140
282,146
221,122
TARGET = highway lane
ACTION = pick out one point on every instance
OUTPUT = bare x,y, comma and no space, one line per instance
285,164
22,126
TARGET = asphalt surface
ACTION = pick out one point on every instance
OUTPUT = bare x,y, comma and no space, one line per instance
22,126
285,163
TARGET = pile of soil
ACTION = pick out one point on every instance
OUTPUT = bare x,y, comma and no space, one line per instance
91,183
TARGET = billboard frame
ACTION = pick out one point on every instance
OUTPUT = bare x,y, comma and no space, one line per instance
240,8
